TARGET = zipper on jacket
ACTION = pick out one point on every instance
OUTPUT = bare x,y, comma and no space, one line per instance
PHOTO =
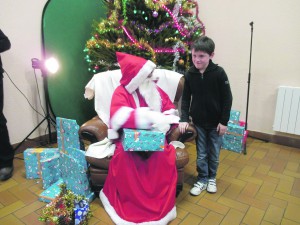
201,76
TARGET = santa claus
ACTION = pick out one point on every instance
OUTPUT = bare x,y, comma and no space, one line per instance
140,190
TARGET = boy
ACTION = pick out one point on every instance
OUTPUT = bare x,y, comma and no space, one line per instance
6,150
207,99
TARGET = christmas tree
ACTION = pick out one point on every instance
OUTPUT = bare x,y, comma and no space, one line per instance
158,30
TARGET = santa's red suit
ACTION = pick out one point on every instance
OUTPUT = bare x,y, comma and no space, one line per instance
139,190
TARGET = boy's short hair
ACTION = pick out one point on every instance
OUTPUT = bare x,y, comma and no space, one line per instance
204,44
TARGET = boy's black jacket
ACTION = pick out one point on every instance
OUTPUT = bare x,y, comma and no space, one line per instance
206,97
4,45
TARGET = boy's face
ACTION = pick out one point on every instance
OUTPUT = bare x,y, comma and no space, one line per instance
201,59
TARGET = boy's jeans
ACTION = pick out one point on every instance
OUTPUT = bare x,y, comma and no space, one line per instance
208,146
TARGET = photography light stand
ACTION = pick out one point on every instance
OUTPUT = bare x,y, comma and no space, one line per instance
248,89
37,64
40,64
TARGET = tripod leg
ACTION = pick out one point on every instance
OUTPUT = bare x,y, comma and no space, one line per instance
52,120
245,149
29,134
49,128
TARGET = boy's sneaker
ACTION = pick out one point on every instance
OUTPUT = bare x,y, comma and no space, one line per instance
198,188
212,186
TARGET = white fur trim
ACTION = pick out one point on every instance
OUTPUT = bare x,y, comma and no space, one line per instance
120,117
136,99
112,134
171,112
119,221
143,73
141,119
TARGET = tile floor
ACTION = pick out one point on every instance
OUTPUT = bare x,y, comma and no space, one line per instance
261,187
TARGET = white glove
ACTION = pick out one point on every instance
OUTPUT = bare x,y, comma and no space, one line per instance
172,119
164,127
163,122
155,117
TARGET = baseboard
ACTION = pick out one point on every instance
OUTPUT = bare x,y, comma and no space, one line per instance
38,142
276,138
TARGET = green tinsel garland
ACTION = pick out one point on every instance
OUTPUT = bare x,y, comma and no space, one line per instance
61,210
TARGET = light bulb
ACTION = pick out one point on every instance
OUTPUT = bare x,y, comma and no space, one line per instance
52,65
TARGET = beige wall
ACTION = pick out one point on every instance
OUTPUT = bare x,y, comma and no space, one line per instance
21,21
275,52
275,59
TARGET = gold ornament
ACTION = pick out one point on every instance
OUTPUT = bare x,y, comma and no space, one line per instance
119,41
181,62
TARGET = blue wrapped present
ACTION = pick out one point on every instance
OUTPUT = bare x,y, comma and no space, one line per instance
234,117
235,129
233,143
50,170
32,158
81,209
67,134
233,138
143,140
75,174
52,192
78,155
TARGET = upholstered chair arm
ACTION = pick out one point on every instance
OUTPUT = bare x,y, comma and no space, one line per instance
182,156
93,130
189,135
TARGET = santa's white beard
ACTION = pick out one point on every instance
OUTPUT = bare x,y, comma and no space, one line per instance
151,95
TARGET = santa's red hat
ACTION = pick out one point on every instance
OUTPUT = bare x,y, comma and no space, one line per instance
134,70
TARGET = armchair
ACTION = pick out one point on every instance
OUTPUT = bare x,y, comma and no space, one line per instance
95,129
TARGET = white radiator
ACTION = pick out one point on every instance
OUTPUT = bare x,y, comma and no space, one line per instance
287,114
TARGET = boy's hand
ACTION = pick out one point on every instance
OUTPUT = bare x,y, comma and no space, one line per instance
183,126
221,129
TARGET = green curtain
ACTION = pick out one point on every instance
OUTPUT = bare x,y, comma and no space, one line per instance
67,25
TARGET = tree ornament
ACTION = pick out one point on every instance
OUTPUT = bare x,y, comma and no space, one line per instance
155,14
181,62
172,20
119,41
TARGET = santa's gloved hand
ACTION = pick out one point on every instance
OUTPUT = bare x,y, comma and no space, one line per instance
172,119
163,127
155,117
163,123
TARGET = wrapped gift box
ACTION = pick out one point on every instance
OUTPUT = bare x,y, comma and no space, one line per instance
78,155
233,143
81,210
50,170
32,158
233,139
67,134
143,140
75,173
235,129
234,117
52,192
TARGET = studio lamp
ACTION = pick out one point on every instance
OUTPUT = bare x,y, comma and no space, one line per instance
47,67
